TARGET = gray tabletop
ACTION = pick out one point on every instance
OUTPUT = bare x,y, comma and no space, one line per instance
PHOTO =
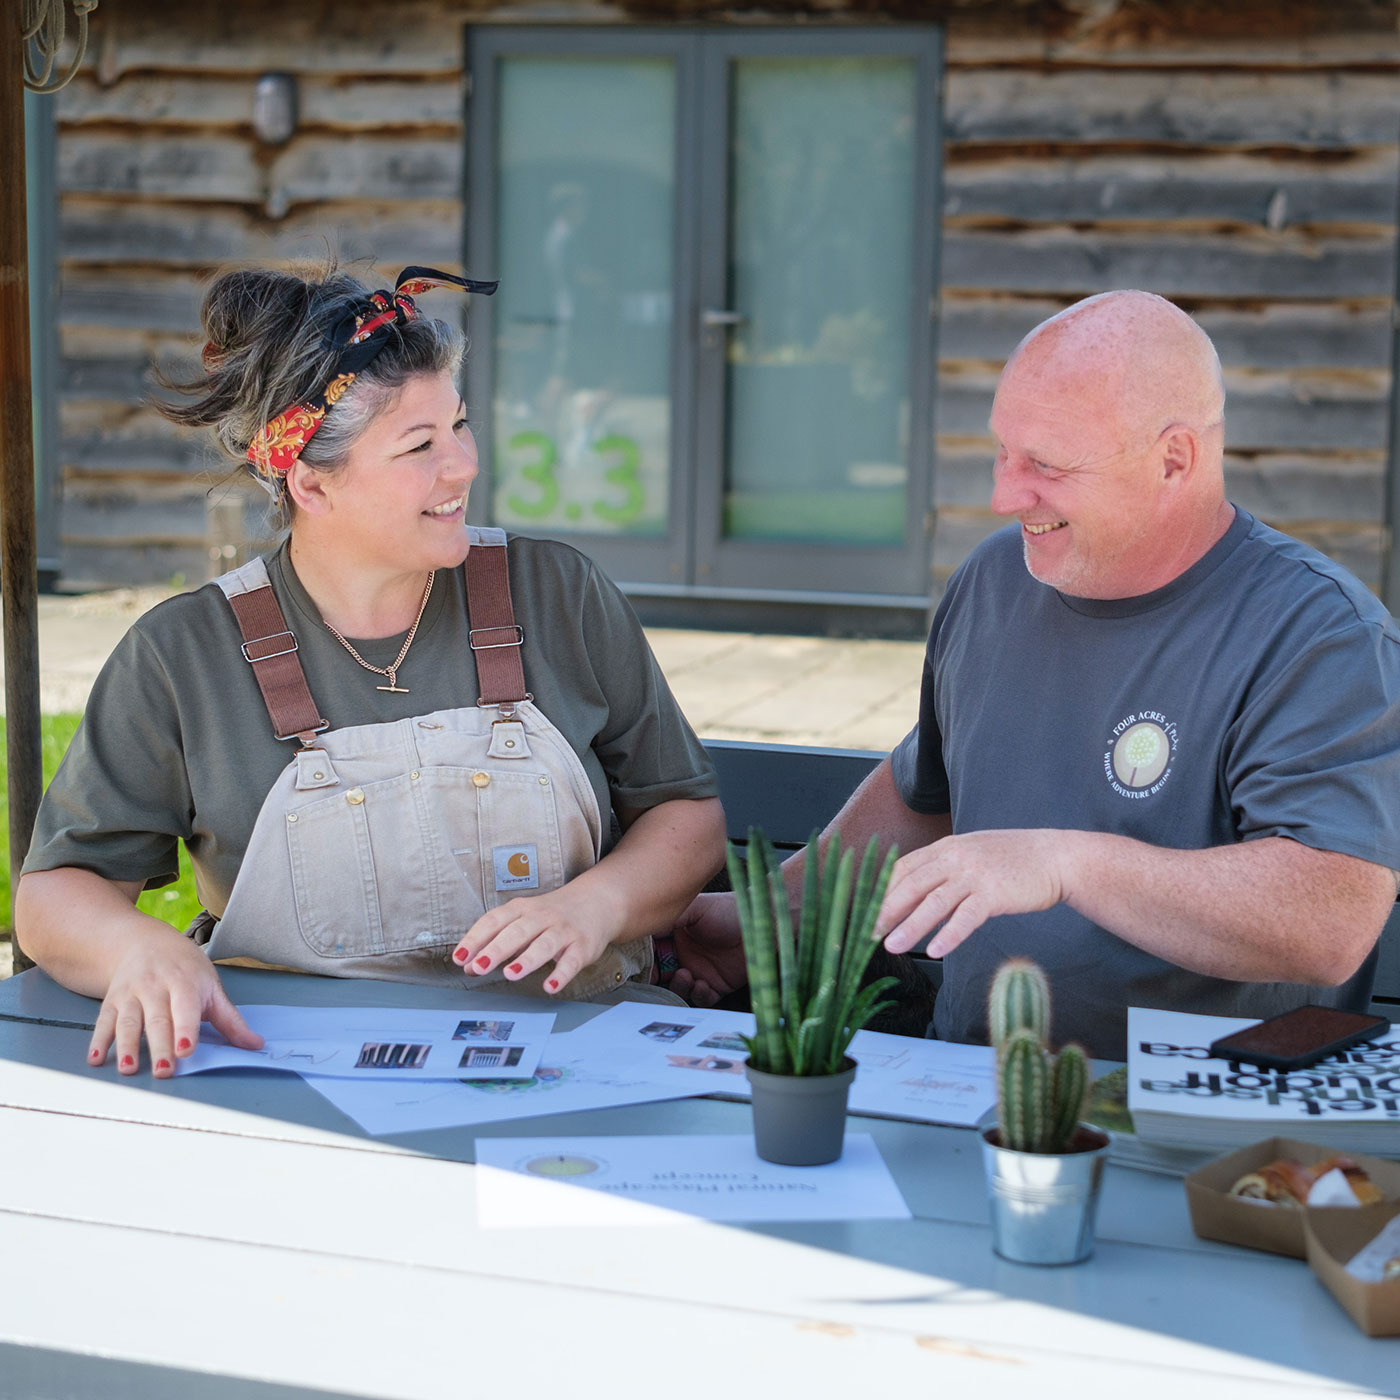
233,1233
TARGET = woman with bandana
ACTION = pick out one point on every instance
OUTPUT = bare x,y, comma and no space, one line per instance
396,746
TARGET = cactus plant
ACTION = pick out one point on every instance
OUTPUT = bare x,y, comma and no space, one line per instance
804,984
1040,1096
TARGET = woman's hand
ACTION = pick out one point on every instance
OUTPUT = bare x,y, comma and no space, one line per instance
566,926
86,933
641,886
162,988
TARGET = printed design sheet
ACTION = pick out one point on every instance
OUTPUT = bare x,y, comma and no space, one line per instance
380,1043
673,1180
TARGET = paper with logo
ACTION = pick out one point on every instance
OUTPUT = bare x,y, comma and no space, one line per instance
380,1043
702,1052
1179,1094
673,1180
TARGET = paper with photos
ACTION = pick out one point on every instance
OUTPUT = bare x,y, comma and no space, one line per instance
380,1043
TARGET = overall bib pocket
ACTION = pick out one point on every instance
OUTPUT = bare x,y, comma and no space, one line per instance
411,862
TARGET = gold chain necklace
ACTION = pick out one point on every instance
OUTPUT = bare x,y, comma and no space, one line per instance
392,669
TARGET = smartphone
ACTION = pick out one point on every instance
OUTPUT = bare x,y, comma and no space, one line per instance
1299,1038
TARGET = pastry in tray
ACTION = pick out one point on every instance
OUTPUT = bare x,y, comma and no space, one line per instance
1287,1182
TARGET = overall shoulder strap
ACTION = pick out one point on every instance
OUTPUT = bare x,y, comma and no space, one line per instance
270,648
495,637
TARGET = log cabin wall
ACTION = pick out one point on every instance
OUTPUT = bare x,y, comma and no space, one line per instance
1242,160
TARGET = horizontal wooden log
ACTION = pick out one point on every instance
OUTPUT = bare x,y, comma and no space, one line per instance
1225,108
1067,262
1273,486
1331,335
1346,412
1209,189
133,512
96,230
216,167
355,103
370,36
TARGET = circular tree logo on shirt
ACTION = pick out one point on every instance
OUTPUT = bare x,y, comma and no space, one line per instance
1138,760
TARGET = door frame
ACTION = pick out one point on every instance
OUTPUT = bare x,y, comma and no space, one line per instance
692,559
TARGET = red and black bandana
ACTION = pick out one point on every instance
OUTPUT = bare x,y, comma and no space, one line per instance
360,336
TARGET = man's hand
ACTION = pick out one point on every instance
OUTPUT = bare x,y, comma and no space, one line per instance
710,949
962,881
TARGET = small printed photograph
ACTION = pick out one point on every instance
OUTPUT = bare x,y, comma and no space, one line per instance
666,1031
483,1030
714,1063
725,1040
383,1054
491,1056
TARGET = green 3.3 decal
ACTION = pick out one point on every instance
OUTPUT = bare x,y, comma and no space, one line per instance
540,473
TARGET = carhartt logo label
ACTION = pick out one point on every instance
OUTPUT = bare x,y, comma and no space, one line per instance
1138,760
515,868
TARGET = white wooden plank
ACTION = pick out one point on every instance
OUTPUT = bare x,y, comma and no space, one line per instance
375,1219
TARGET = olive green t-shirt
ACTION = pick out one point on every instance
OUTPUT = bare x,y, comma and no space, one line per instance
176,743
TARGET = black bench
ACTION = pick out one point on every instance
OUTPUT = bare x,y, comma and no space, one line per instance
789,790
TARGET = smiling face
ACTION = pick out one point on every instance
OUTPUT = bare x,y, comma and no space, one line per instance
399,500
1100,456
1085,495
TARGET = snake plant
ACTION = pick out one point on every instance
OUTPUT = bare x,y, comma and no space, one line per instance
805,975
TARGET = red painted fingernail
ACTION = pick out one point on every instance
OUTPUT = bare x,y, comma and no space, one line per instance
461,955
483,962
552,985
94,1053
515,968
127,1062
183,1043
162,1064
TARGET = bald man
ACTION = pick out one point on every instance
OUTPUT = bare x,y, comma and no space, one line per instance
1158,746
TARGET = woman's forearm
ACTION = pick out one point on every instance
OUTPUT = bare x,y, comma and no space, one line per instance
664,859
77,925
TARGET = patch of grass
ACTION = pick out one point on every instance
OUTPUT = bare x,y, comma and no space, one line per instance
177,904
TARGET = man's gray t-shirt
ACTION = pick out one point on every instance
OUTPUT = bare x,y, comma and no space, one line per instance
176,743
1256,695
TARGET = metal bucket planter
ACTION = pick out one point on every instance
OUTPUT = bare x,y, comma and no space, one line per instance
1044,1203
799,1120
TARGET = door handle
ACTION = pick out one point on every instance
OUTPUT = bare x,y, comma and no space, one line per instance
711,318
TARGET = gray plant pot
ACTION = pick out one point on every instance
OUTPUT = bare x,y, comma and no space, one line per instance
800,1120
1043,1203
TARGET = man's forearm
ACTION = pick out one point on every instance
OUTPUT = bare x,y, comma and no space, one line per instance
1265,910
876,809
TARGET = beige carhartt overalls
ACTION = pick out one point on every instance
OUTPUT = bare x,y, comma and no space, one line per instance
380,845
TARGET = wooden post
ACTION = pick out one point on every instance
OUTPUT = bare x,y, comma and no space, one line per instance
19,582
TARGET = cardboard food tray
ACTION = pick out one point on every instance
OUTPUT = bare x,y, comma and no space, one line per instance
1216,1215
1333,1236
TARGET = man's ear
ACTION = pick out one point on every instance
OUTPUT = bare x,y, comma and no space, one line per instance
1181,451
307,489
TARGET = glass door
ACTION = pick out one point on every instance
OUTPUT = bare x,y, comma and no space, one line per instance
816,355
710,360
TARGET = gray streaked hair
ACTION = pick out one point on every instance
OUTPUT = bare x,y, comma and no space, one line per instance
271,344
